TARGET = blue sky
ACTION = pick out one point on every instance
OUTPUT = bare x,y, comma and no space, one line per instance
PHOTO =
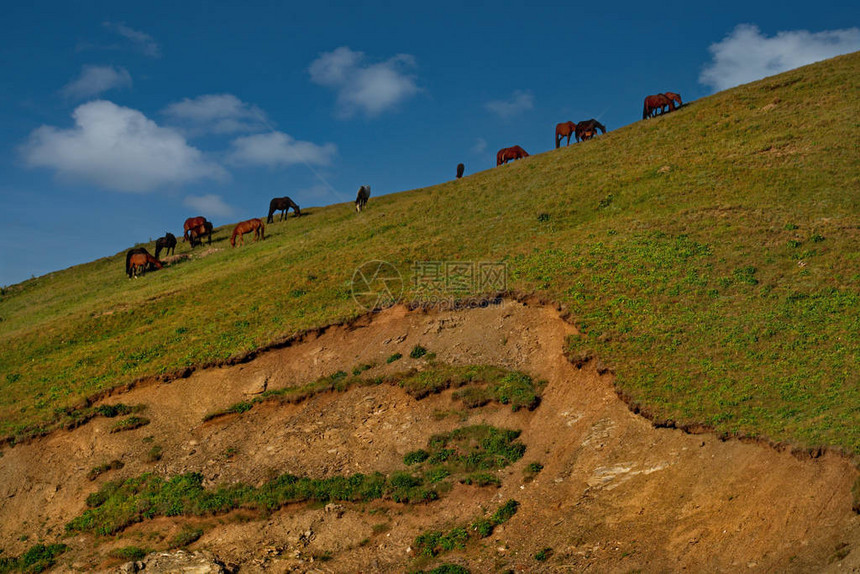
121,120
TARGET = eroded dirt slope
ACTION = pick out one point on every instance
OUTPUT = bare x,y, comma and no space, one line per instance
615,494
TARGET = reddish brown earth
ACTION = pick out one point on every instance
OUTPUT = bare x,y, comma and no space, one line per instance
615,493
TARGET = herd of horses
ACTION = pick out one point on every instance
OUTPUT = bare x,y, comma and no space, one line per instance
587,129
660,104
139,260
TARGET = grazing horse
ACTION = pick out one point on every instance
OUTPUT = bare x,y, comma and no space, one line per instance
675,98
282,204
137,260
587,129
655,104
362,197
507,154
191,223
167,242
562,130
460,169
243,227
195,234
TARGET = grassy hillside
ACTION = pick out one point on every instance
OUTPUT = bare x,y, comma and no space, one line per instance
710,256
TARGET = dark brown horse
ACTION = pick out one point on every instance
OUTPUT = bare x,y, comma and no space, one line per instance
243,227
587,129
137,260
675,98
168,242
282,204
191,223
362,197
507,154
565,129
655,104
195,234
460,169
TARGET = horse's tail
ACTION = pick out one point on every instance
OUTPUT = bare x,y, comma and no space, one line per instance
128,264
262,231
645,109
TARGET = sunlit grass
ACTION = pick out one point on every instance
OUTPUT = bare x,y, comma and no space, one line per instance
709,256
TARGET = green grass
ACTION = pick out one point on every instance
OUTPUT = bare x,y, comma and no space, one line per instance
452,457
130,423
186,536
99,470
436,542
133,553
710,257
488,382
38,558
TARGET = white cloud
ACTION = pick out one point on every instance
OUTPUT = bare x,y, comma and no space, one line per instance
217,113
746,55
367,88
480,146
210,205
118,148
96,79
519,102
142,41
277,149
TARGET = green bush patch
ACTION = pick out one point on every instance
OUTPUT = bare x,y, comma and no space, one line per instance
129,423
38,558
453,456
438,542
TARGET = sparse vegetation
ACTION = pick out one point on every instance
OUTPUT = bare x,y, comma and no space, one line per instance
99,470
130,423
531,471
133,553
417,352
394,357
119,504
38,558
478,384
445,569
543,554
438,542
186,536
155,453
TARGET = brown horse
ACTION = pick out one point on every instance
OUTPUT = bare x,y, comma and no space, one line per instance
190,224
564,129
675,98
282,204
243,227
195,234
587,129
137,260
507,154
655,104
460,169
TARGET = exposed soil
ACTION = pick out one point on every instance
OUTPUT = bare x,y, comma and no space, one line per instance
615,493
